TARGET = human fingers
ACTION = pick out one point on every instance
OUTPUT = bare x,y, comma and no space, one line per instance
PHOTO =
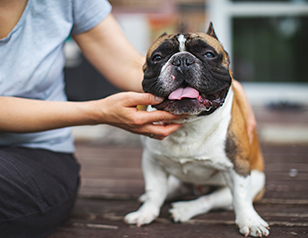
134,99
251,125
144,117
251,120
159,132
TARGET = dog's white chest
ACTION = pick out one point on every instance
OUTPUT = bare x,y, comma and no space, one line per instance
196,152
191,161
198,170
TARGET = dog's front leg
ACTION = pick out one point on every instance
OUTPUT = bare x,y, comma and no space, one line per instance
247,219
155,192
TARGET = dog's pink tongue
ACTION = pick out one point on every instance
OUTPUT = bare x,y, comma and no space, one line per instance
180,93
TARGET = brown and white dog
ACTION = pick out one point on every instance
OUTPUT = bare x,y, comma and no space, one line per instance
191,71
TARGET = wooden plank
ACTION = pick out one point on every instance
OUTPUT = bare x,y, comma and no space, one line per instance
112,172
101,218
286,167
112,175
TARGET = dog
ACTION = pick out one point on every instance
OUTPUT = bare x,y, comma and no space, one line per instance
191,72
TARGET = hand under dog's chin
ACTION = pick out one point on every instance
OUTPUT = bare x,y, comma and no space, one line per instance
185,106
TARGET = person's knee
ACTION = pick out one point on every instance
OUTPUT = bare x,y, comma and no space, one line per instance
36,197
38,224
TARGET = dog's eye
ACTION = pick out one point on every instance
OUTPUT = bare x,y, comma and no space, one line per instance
209,55
157,58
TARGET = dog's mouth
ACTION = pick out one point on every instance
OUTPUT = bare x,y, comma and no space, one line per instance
188,100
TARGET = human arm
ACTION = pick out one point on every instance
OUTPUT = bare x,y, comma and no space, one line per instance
106,47
26,115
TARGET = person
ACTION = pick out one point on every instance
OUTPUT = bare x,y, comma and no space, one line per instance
39,175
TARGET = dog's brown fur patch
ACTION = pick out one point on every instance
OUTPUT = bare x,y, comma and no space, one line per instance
245,157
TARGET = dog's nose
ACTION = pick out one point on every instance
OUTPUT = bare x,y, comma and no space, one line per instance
183,60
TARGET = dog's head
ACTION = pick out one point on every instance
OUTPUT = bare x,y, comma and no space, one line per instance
191,71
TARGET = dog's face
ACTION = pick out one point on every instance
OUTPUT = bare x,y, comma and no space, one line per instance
191,71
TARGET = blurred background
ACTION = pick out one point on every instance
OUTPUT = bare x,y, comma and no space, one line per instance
267,42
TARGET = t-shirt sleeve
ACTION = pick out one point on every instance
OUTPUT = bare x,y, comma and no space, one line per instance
88,14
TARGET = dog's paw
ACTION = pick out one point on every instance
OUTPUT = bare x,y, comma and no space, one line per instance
142,198
184,211
143,216
253,225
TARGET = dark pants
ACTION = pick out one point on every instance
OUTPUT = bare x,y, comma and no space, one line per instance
38,189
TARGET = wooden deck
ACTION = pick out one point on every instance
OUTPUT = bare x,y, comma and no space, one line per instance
112,181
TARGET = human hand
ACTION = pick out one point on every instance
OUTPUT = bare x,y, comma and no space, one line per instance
251,120
120,110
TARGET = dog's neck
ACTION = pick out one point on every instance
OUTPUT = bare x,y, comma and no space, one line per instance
204,126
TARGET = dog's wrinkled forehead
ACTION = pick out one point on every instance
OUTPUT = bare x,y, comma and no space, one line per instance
196,42
179,42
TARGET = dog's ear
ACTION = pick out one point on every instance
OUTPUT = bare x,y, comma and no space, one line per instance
227,60
165,33
211,32
144,67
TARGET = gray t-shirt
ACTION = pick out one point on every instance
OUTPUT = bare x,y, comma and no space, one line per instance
32,60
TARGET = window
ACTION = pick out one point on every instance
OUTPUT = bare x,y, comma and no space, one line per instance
267,40
270,49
